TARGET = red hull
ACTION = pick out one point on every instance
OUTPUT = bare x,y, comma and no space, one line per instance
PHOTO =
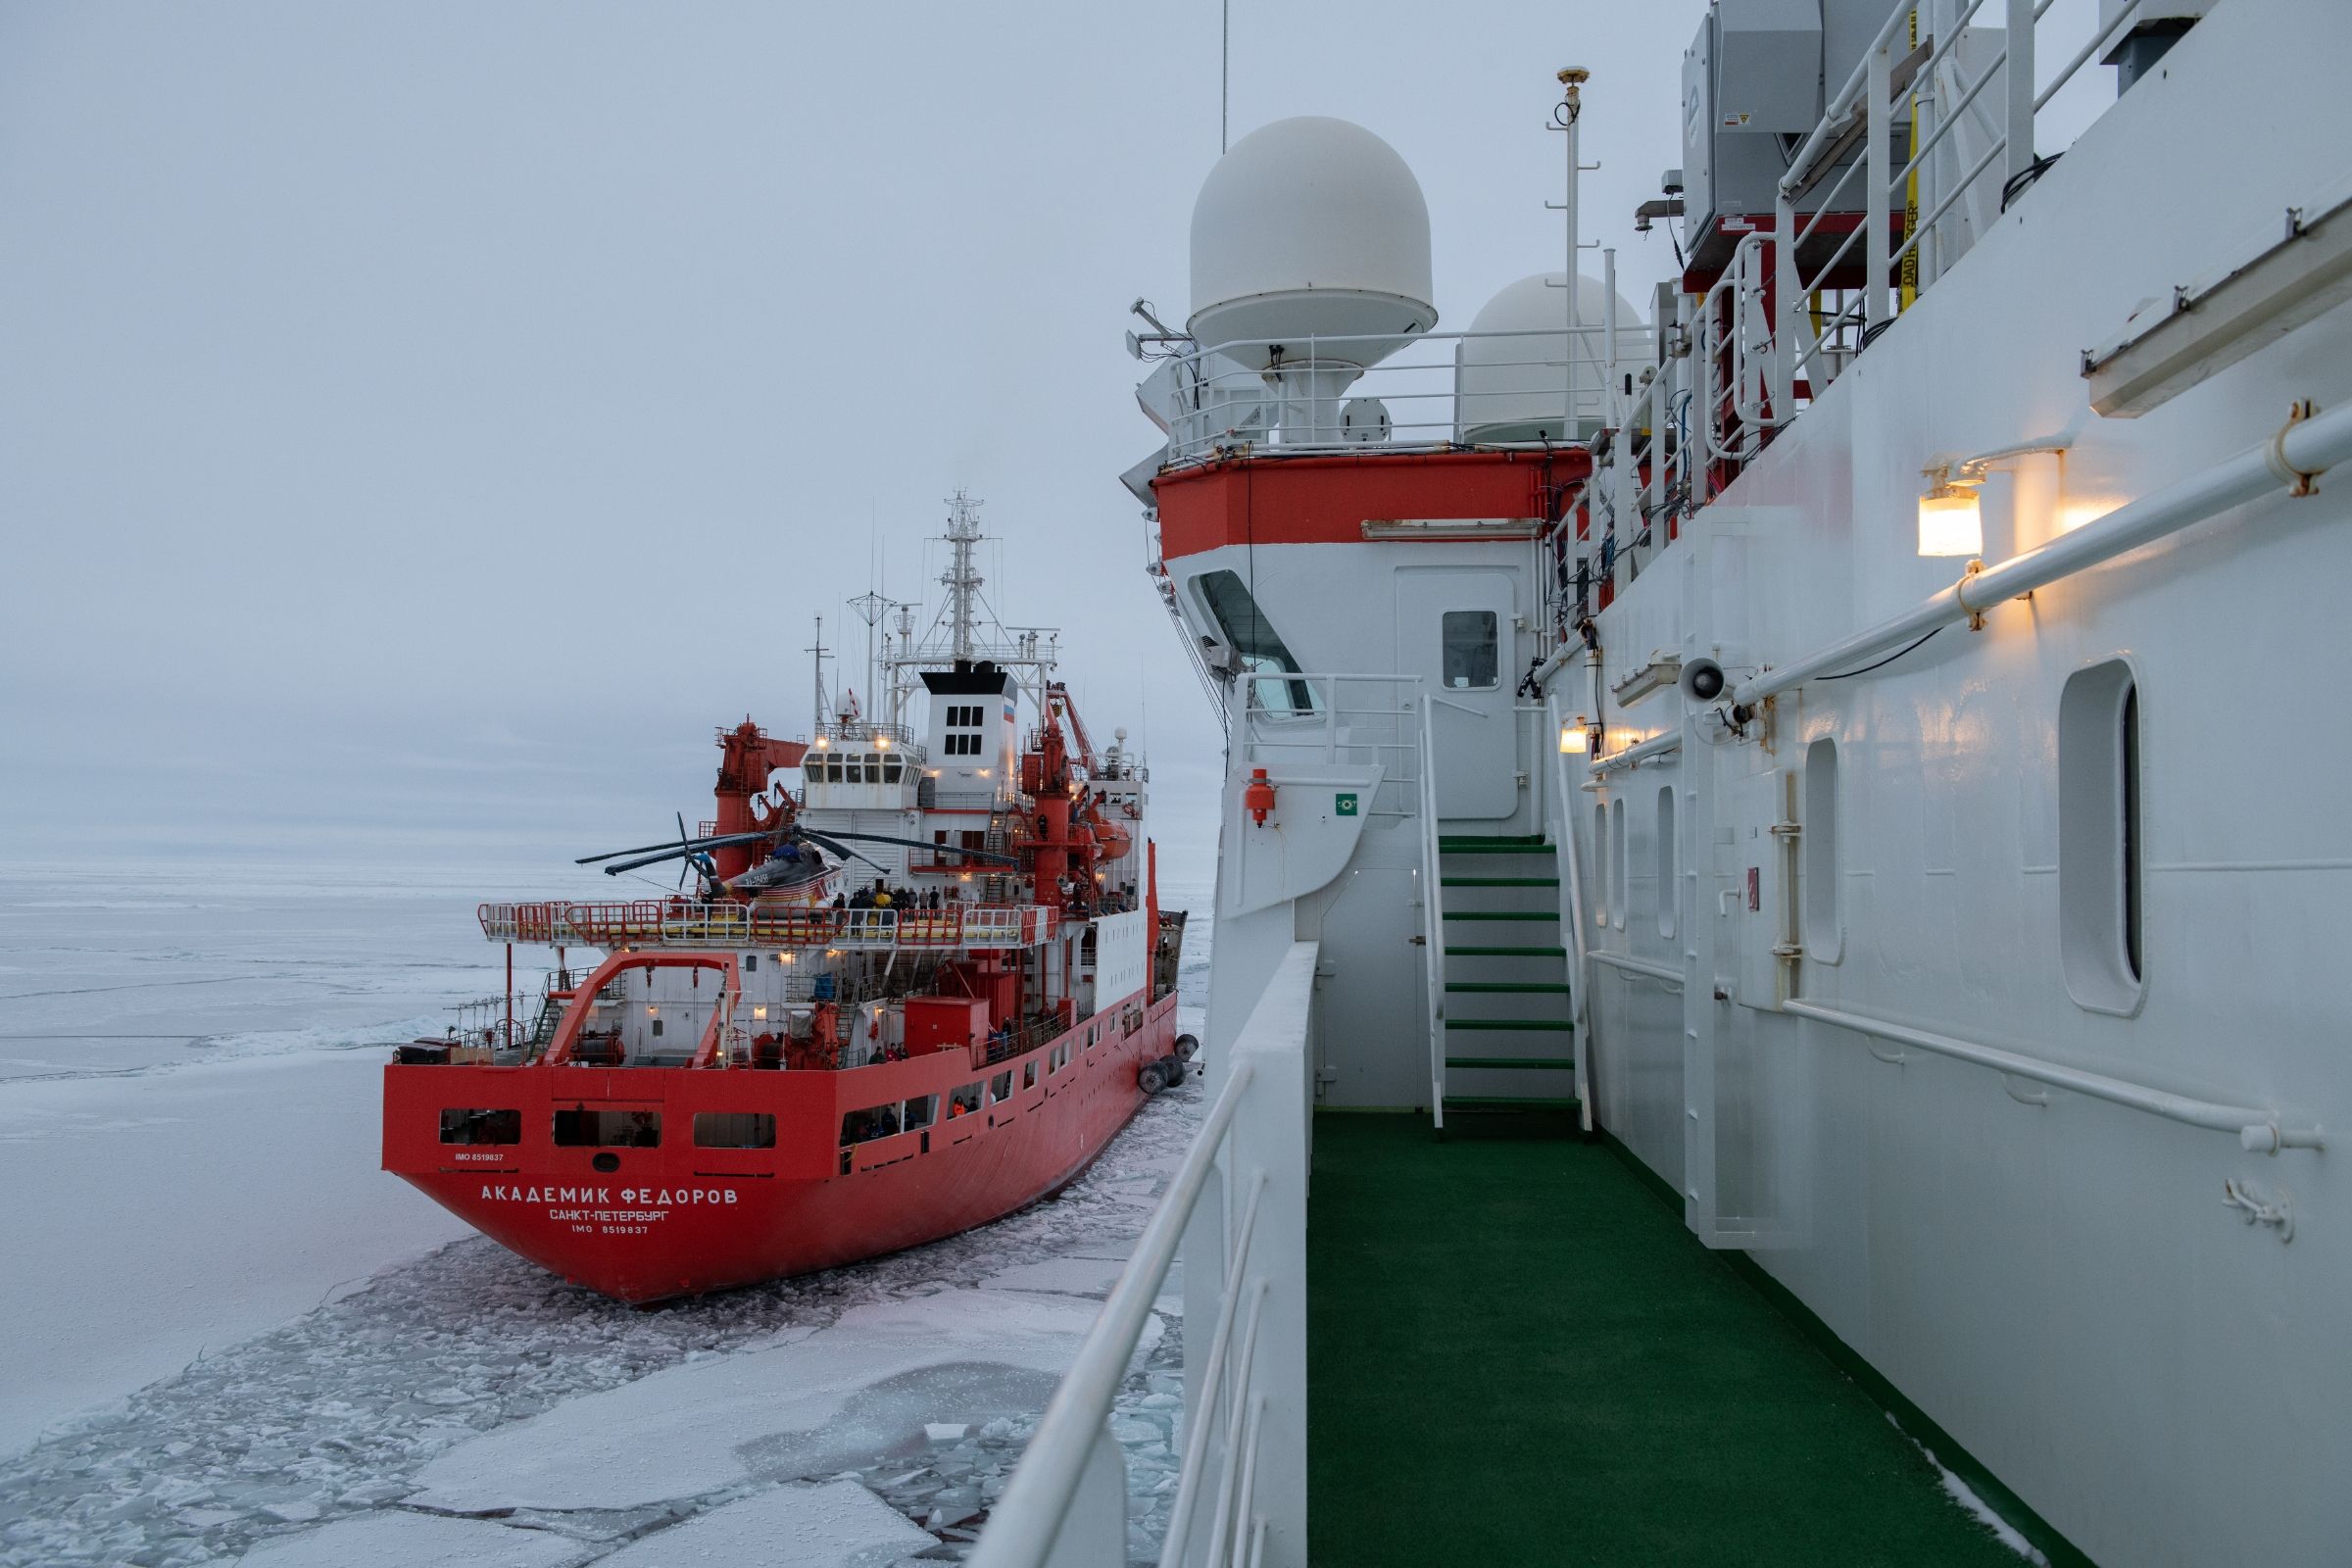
681,1220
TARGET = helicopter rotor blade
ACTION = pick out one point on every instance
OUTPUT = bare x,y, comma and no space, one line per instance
938,849
717,840
827,842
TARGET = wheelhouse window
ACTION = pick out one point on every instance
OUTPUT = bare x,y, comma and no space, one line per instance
1471,642
608,1129
1255,642
734,1129
481,1126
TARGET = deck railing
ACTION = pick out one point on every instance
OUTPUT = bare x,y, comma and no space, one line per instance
680,922
1307,717
1428,389
1238,1204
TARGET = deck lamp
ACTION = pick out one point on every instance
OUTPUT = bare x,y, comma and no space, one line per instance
1949,521
1575,738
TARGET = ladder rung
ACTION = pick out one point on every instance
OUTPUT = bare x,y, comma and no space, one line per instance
1502,914
1508,1102
1548,987
1499,881
1479,847
1557,1026
1506,952
1546,1062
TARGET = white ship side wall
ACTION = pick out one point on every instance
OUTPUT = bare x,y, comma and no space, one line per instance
1122,957
2059,1286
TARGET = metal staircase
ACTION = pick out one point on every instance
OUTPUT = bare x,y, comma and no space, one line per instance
1506,1012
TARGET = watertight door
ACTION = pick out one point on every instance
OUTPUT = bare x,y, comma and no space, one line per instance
1454,630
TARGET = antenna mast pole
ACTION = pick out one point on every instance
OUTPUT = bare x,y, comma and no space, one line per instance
961,579
818,649
1564,118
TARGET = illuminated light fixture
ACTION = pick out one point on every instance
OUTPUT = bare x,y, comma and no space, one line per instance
653,1011
783,958
759,1012
967,876
1574,739
823,744
1949,521
881,743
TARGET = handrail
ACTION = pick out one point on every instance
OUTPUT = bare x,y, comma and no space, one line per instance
1066,1434
1433,906
1572,918
658,922
2257,1127
2303,449
1066,1503
1641,966
1635,756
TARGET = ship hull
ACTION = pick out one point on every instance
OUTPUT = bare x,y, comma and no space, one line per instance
683,1218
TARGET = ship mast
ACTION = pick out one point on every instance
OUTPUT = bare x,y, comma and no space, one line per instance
965,628
961,579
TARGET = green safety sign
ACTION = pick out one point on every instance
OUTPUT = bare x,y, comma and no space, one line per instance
1344,804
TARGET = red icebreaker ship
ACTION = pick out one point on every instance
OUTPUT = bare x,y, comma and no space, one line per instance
842,1042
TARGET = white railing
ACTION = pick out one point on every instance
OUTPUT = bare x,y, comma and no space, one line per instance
1624,963
1433,389
1237,1204
1937,101
1432,912
1315,719
1854,238
1566,797
2259,1129
687,923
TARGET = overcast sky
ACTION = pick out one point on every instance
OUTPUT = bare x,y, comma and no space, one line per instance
421,423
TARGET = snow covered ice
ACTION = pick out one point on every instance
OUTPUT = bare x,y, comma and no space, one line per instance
352,1387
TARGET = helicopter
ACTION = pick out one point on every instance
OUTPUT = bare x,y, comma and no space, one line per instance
796,856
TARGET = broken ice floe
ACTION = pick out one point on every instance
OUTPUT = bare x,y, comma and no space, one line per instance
304,1431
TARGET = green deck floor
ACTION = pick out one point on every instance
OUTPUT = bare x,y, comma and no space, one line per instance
1517,1354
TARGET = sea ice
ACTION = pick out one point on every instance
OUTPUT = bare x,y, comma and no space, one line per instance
1063,1276
416,1540
837,1525
678,1433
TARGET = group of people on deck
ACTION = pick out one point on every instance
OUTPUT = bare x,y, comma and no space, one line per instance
882,896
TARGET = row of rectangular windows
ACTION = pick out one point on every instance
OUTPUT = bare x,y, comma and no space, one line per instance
966,717
854,770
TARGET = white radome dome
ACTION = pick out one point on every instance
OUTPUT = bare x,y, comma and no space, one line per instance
1310,228
1516,388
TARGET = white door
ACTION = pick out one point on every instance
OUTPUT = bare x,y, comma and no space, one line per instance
1453,630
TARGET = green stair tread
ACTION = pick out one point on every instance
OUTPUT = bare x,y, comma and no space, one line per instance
1509,1102
1511,987
1502,914
1557,1026
1493,841
1458,846
1547,1063
1499,881
1454,951
1582,1379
